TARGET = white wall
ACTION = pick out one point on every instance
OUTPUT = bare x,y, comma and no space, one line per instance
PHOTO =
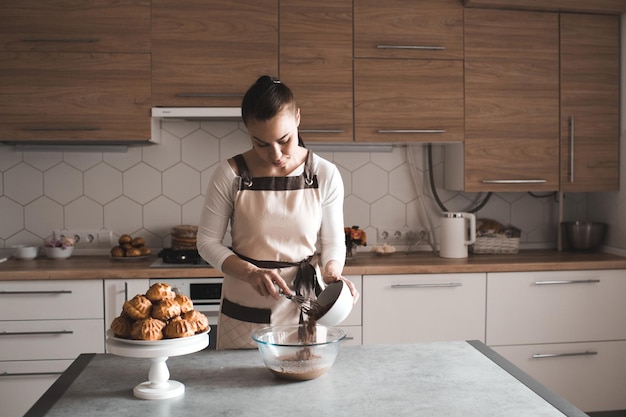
149,189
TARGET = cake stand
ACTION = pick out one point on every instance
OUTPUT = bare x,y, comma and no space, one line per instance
158,386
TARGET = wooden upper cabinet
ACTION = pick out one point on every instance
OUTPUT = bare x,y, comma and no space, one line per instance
61,97
426,29
75,26
408,100
590,83
316,63
511,101
580,6
209,52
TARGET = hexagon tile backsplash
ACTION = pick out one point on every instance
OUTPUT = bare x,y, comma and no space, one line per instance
147,190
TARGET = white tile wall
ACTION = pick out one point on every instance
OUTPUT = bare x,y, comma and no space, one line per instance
149,189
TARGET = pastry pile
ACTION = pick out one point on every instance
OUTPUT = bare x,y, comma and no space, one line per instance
130,247
184,236
158,314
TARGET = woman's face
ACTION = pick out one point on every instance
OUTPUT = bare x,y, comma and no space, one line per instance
276,140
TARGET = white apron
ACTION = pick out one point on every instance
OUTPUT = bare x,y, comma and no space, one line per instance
275,225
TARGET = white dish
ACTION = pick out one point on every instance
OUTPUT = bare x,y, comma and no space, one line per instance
162,342
24,252
58,253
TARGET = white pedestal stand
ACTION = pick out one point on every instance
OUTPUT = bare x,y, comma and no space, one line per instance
158,386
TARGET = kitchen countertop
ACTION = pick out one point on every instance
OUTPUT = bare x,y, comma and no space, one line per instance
431,379
104,267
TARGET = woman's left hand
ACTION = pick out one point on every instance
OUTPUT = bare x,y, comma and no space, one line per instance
332,273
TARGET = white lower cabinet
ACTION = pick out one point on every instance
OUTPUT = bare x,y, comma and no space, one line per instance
44,326
564,328
591,375
423,308
116,292
352,325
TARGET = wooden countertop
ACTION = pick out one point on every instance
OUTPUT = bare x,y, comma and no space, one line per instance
103,267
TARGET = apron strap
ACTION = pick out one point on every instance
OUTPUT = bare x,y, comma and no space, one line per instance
243,170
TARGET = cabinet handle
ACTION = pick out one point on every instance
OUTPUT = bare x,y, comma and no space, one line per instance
3,292
321,130
213,95
561,355
513,181
432,285
7,374
125,290
567,282
571,149
67,40
36,333
411,131
62,129
414,47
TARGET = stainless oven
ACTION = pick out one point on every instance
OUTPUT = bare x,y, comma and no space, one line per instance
205,294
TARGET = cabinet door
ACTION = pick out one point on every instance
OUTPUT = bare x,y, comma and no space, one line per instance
208,53
408,100
316,63
590,102
116,292
49,300
75,26
426,29
22,383
555,307
591,375
65,97
511,101
423,308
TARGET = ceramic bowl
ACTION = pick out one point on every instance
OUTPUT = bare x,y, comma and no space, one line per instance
24,252
287,354
59,253
338,299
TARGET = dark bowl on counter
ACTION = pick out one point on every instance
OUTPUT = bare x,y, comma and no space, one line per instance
584,236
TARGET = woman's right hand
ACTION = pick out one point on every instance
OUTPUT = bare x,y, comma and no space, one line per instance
267,282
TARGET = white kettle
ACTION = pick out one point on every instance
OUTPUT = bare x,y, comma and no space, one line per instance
454,239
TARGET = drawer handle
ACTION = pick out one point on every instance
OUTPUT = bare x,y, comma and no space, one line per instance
36,333
35,292
349,338
67,40
321,130
433,285
561,355
62,129
7,374
414,47
567,282
513,181
411,131
214,95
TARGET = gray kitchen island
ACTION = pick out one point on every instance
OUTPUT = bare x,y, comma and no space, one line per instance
444,379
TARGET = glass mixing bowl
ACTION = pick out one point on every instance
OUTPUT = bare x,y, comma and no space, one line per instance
290,352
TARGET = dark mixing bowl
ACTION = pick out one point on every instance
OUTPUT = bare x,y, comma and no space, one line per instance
584,236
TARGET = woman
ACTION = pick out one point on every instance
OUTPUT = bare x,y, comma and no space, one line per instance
279,199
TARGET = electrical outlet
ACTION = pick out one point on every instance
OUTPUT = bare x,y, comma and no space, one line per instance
401,236
88,239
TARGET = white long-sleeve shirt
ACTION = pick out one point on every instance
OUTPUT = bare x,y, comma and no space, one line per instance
217,212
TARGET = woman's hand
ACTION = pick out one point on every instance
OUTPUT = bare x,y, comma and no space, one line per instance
266,282
332,273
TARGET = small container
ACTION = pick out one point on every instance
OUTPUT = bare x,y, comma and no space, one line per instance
336,295
24,252
584,236
58,253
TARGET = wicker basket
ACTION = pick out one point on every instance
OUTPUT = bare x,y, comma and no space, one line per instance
495,245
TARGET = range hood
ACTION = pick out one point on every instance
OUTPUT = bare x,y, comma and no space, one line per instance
197,113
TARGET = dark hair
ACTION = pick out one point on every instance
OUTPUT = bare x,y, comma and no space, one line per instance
265,98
